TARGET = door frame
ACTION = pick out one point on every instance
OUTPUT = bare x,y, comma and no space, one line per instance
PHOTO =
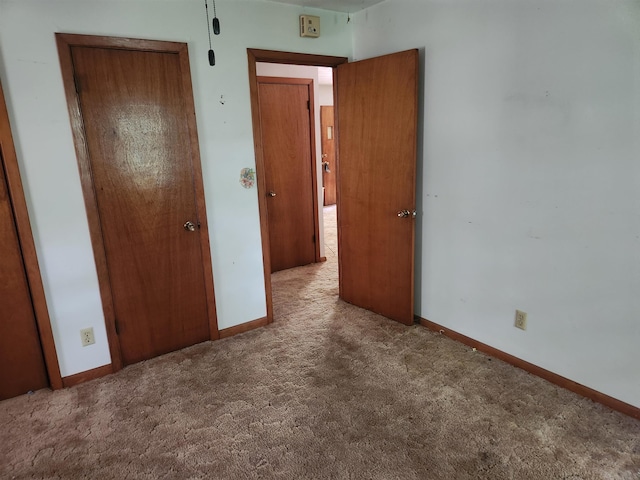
65,42
9,163
308,82
254,56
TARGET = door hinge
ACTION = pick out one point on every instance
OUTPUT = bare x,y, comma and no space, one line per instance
308,104
76,83
117,326
314,238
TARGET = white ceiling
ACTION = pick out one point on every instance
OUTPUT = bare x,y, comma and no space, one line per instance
347,6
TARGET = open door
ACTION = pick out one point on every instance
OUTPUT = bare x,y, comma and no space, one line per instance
327,127
377,105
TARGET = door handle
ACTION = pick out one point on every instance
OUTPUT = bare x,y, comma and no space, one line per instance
190,227
406,214
272,193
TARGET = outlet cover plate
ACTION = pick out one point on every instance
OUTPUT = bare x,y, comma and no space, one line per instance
86,335
521,320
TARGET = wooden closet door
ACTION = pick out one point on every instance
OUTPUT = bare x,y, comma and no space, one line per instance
286,135
22,365
141,157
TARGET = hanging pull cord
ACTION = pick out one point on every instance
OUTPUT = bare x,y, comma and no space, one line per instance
216,22
212,56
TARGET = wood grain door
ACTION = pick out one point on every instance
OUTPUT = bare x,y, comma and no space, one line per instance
377,102
285,115
328,154
22,366
141,151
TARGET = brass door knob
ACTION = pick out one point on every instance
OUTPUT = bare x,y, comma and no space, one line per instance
406,214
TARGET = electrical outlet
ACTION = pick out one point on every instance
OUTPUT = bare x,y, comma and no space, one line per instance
521,319
86,334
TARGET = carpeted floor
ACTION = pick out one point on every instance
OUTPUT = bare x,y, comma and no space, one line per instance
328,391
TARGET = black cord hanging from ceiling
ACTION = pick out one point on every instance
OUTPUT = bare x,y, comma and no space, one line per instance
216,22
216,30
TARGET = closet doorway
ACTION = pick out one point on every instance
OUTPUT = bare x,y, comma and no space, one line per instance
28,359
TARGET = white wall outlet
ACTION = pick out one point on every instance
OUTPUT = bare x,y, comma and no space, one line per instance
309,26
521,319
86,334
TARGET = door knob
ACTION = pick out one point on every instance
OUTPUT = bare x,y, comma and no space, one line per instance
190,227
406,214
272,193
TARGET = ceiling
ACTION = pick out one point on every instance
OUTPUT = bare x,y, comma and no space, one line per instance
347,6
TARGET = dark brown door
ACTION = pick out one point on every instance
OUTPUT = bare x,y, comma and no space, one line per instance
328,154
377,121
285,116
140,152
22,365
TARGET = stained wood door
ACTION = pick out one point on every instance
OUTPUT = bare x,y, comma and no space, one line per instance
141,154
22,366
328,154
377,124
285,115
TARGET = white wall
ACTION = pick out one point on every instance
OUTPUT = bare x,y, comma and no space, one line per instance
30,74
301,71
529,175
326,94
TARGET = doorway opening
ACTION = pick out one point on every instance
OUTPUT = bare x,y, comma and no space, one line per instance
282,64
28,358
376,115
296,115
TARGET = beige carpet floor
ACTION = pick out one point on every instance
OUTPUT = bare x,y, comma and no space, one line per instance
328,391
